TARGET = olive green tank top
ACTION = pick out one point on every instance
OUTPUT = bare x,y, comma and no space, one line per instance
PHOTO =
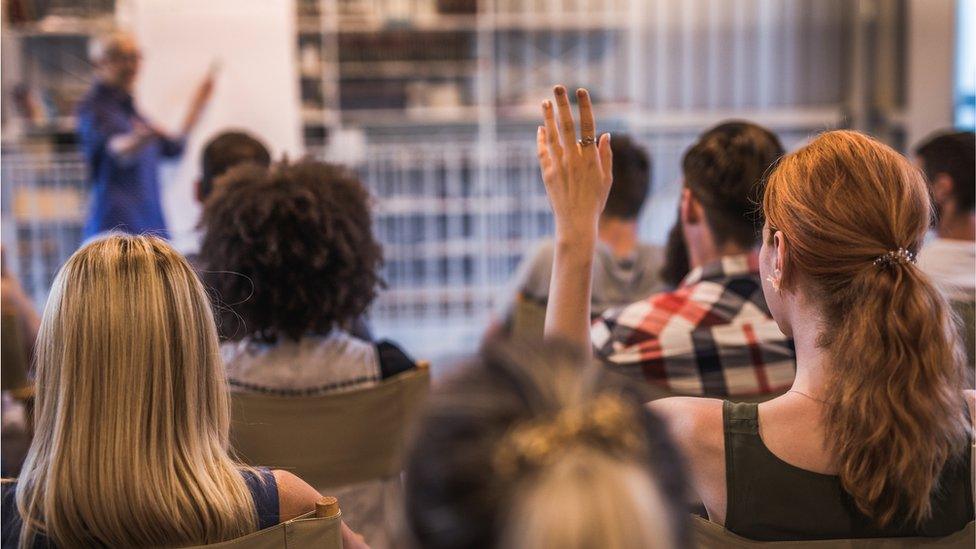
771,500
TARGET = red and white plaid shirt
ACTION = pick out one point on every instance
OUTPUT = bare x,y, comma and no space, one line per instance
713,336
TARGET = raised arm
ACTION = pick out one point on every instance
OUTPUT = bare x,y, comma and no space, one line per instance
577,176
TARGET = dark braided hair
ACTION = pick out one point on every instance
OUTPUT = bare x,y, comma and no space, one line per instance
290,250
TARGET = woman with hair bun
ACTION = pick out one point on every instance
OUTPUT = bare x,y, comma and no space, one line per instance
528,447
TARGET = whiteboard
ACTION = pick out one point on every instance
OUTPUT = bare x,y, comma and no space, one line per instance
256,87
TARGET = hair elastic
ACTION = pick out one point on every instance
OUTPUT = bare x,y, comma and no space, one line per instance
895,257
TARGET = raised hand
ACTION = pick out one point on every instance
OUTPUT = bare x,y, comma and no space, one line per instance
577,173
578,176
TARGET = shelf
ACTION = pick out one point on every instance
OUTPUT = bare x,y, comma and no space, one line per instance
406,69
412,116
528,21
313,116
430,23
58,26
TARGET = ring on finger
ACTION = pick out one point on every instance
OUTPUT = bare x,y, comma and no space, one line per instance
587,140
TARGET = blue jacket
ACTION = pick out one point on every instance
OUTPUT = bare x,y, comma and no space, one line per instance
125,191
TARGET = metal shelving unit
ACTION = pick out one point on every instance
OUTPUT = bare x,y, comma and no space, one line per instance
446,143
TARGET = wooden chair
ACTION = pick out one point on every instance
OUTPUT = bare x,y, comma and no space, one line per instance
528,319
708,535
965,311
318,529
14,362
330,440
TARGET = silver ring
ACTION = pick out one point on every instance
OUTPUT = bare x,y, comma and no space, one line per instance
587,141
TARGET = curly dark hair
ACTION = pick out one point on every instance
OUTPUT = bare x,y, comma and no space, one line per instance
289,250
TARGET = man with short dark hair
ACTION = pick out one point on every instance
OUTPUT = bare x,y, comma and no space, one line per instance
225,151
625,268
949,161
714,334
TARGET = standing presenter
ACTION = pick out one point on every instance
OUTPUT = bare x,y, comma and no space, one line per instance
122,148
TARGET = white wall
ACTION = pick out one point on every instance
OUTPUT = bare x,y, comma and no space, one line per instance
931,62
256,88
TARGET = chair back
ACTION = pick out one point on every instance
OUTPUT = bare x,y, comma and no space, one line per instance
14,362
330,440
319,529
965,310
528,319
708,535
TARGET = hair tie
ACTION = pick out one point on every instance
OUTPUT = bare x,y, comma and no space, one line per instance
901,256
606,422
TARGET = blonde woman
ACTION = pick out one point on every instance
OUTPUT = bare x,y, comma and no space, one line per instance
875,437
132,416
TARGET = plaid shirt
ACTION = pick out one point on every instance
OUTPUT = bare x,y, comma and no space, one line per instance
713,336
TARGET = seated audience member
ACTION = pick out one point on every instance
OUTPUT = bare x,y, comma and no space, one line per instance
228,150
713,335
949,162
874,439
131,440
20,325
526,448
625,269
291,256
225,151
521,450
676,266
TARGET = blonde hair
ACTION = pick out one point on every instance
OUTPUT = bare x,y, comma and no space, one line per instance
530,447
588,498
896,413
132,412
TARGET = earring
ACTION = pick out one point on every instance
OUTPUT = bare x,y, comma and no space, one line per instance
773,279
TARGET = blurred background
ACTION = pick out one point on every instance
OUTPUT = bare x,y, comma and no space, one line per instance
435,103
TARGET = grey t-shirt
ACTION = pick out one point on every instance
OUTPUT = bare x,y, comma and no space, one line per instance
616,281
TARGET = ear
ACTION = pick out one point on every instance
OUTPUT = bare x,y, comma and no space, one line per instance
779,254
942,187
690,210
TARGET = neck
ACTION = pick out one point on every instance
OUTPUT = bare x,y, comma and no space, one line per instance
708,251
619,234
811,358
957,226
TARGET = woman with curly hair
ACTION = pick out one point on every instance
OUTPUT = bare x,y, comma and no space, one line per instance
290,256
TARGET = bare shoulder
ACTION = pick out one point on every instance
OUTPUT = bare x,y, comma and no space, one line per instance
295,496
697,427
692,419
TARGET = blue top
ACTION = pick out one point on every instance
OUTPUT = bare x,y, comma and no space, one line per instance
263,488
125,191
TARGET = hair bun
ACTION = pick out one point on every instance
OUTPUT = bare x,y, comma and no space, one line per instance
606,422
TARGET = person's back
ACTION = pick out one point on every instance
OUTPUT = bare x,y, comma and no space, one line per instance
132,421
290,254
525,447
625,268
948,160
712,335
874,437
